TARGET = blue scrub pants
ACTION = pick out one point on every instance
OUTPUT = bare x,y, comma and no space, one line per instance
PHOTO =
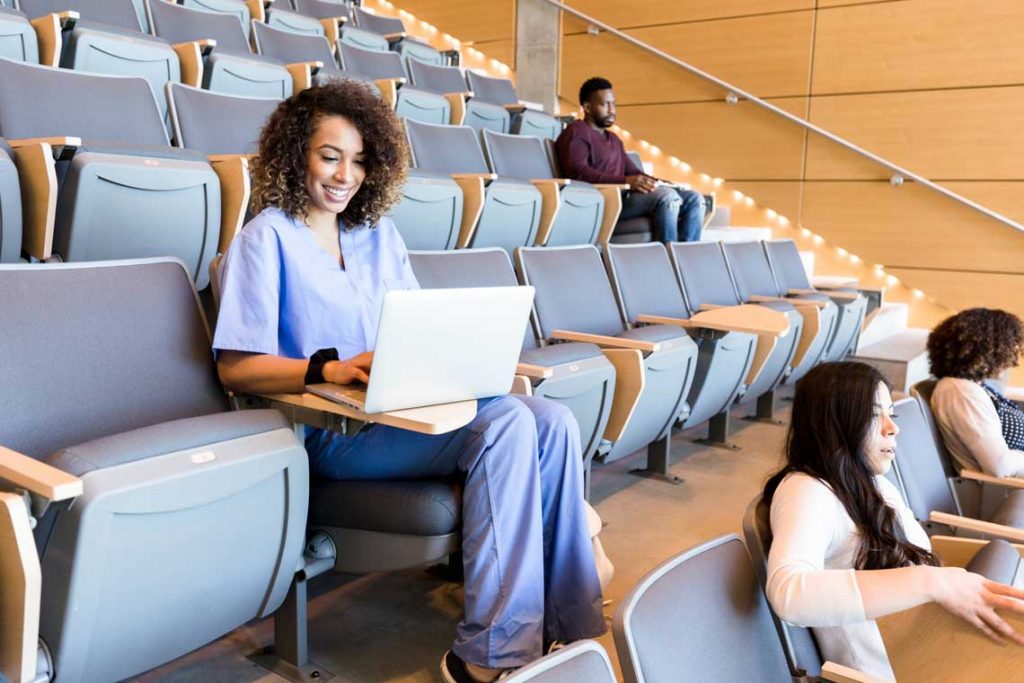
528,559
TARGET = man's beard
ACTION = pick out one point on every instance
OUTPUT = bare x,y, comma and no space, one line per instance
606,122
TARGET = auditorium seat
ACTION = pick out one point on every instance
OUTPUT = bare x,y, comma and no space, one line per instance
525,121
192,520
645,282
449,81
124,192
10,207
323,9
385,70
18,39
240,9
429,214
579,375
583,661
390,27
297,48
574,302
793,281
497,212
215,123
287,20
220,58
754,283
367,40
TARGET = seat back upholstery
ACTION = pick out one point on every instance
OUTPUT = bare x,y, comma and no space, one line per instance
635,157
17,37
701,611
704,274
787,265
121,13
233,8
288,46
584,661
437,79
922,391
572,290
445,149
492,90
368,40
646,283
285,20
374,23
214,123
919,462
750,269
517,156
181,24
322,9
371,63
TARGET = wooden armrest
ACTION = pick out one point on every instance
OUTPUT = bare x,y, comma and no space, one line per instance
235,187
837,673
560,182
472,205
757,298
389,89
612,186
483,176
37,477
190,55
302,74
1008,482
515,108
464,94
48,30
257,10
612,209
458,106
55,142
605,341
550,204
534,371
21,578
521,386
957,551
710,307
332,32
37,170
630,380
744,318
977,525
812,324
394,37
831,294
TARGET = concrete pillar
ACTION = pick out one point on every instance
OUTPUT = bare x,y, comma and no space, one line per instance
538,38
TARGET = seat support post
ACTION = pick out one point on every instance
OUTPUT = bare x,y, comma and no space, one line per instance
658,457
718,433
766,409
289,655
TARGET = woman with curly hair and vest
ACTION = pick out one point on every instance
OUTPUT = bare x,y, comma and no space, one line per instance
981,427
301,289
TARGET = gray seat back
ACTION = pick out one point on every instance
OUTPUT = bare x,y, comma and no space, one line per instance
10,207
572,290
445,149
919,462
233,8
468,268
922,391
645,280
700,612
537,124
798,643
214,123
415,51
634,156
437,79
515,156
429,215
368,40
181,24
289,47
375,23
750,269
584,661
371,63
122,13
704,274
284,20
492,90
321,9
787,265
17,37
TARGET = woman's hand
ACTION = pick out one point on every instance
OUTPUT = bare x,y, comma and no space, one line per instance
354,369
975,599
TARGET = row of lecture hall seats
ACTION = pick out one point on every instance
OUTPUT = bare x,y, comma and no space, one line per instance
154,533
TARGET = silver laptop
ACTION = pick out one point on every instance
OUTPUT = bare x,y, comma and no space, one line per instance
439,346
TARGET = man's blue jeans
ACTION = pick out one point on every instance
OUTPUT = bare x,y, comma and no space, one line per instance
677,215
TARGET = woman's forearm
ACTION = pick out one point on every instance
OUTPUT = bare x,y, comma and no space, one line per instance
887,591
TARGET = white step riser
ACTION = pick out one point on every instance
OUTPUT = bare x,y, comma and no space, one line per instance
887,321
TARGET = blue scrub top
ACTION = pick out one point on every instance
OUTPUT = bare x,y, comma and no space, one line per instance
281,294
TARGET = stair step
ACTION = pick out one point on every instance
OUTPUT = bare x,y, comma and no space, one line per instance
736,234
901,357
885,321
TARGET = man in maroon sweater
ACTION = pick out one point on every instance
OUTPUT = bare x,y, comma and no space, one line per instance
588,151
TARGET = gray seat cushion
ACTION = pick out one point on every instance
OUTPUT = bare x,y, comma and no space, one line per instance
996,561
1011,512
783,306
167,437
425,507
557,354
654,333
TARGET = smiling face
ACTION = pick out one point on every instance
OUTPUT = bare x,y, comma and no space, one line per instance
880,446
334,167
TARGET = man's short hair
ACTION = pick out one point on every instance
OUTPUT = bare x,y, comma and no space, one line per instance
591,86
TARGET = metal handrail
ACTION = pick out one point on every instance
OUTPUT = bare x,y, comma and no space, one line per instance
734,94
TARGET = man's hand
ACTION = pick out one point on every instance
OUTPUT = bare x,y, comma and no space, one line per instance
354,369
641,183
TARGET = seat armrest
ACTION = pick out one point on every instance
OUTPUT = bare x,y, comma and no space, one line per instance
851,296
757,298
457,102
48,30
560,182
22,582
257,10
957,551
35,159
302,74
605,341
743,318
389,89
484,176
515,108
534,371
190,56
332,26
472,185
550,203
1007,482
837,673
630,380
394,37
37,477
612,208
235,191
988,528
521,386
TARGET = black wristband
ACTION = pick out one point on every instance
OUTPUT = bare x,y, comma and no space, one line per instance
315,371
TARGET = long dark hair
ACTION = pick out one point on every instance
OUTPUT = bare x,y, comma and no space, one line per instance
833,414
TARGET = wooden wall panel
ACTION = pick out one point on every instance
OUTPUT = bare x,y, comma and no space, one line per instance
911,226
960,290
467,20
717,138
502,50
919,44
653,12
940,134
1005,197
781,196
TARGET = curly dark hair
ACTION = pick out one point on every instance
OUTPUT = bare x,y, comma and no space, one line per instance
975,344
279,169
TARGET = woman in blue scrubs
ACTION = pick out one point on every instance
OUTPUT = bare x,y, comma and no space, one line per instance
301,290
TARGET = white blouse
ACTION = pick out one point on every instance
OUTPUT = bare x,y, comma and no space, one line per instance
971,429
810,570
